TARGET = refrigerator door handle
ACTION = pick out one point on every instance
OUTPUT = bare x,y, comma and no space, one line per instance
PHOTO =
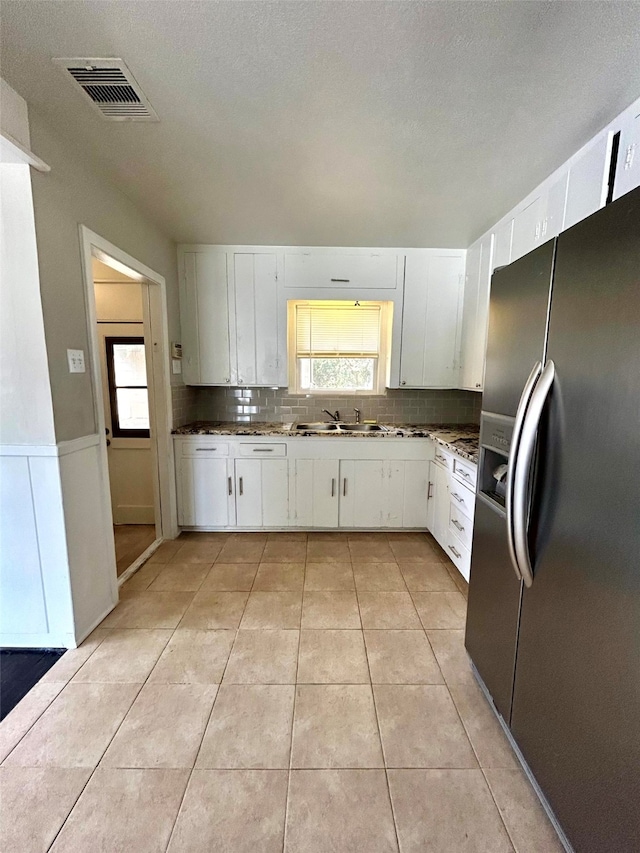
523,405
521,480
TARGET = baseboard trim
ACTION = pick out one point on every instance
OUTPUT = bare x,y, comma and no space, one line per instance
137,564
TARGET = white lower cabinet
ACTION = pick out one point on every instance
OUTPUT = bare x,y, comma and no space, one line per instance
305,483
451,507
205,492
314,492
262,492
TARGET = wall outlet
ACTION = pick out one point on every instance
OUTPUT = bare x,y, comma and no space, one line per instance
75,357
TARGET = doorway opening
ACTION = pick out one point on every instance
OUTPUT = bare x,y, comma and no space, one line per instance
126,311
125,400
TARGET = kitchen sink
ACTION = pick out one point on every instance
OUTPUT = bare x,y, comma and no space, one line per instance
322,426
362,428
317,427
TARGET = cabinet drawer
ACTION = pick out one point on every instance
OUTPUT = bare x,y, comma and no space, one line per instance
460,525
327,270
258,450
459,555
443,458
464,499
204,449
465,472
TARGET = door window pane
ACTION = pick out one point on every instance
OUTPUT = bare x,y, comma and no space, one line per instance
133,408
129,366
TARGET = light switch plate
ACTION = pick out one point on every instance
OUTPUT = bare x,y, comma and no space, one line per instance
176,365
75,357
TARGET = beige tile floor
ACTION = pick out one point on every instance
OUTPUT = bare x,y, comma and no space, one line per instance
265,693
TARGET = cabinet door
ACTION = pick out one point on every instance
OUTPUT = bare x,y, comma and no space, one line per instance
555,204
476,372
441,511
405,495
502,237
588,178
205,309
432,288
361,493
262,492
322,270
469,314
628,165
256,320
431,497
313,489
204,493
527,229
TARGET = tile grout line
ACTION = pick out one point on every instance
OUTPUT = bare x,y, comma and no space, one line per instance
293,714
375,711
206,726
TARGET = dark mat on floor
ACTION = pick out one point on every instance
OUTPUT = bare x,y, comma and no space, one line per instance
20,669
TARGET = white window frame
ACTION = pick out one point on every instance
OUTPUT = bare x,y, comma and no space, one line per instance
383,360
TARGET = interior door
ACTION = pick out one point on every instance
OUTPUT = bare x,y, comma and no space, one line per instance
124,380
576,706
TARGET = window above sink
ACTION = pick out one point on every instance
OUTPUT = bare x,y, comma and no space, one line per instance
339,346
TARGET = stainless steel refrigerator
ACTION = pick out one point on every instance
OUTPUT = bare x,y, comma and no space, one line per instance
553,624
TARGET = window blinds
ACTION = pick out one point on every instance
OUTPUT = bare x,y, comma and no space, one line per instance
335,329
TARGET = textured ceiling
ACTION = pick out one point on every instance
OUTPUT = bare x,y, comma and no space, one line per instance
332,123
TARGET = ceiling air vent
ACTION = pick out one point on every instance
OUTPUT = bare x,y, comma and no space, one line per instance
111,88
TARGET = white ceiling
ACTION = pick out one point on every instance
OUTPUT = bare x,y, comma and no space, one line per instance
332,123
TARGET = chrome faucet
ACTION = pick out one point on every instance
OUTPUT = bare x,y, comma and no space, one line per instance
357,411
335,416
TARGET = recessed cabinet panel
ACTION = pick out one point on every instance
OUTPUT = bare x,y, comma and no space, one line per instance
432,292
588,182
212,317
628,165
314,492
256,320
205,492
527,229
322,270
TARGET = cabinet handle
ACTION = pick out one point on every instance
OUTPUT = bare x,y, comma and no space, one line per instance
227,379
429,491
457,497
230,485
333,487
205,449
451,548
478,385
263,449
441,458
241,487
464,473
341,280
344,487
403,382
455,522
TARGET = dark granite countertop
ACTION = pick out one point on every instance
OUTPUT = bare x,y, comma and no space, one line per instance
460,438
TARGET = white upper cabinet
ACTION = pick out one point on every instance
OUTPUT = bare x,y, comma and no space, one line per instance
323,269
432,294
204,314
261,359
588,178
527,228
475,313
628,164
502,237
231,329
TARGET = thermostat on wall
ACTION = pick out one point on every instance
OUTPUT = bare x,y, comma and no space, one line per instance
176,350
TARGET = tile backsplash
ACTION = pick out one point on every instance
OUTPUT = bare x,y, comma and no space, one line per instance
278,406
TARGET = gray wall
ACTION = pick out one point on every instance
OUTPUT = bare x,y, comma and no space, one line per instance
75,193
277,405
